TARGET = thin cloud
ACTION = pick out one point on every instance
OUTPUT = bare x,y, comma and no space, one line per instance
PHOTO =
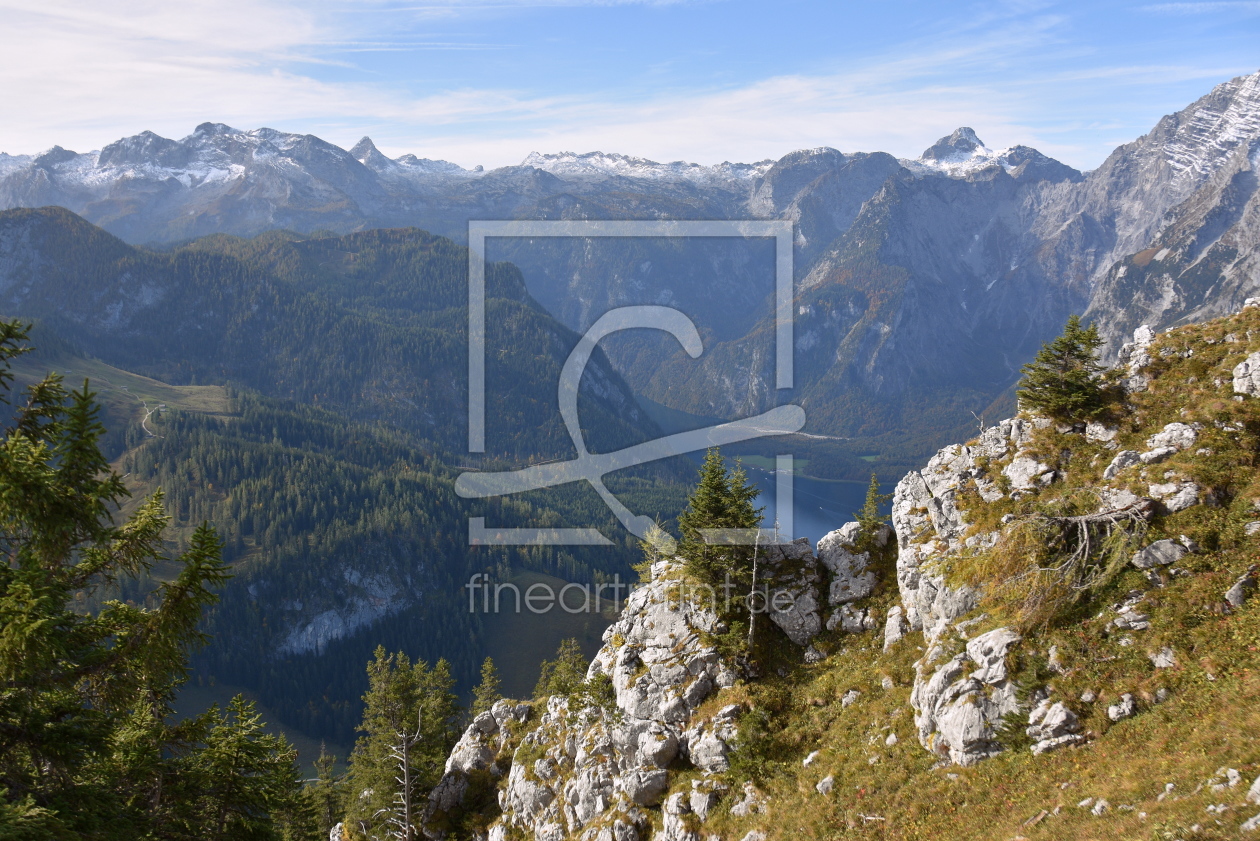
1203,8
84,76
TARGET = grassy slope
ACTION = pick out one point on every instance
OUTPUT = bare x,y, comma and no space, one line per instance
897,792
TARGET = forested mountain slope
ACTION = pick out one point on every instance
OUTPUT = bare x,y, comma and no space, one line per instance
371,325
307,398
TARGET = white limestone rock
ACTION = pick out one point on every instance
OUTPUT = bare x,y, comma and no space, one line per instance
705,796
1096,431
1157,455
1176,496
674,822
1243,588
1123,459
708,743
850,577
752,803
602,767
1126,707
895,627
1247,376
961,703
792,581
928,525
1026,473
1159,553
1253,793
1135,356
1179,436
852,620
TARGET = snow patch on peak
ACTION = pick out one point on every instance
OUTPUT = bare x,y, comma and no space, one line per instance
10,163
962,143
1215,126
957,155
602,165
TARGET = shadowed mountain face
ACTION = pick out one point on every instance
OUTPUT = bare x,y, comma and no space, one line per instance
371,325
922,285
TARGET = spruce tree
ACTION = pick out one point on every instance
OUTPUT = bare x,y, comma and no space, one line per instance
1065,381
722,499
326,792
563,675
244,780
411,709
88,745
487,692
870,519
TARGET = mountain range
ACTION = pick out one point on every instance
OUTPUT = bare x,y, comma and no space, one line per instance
921,285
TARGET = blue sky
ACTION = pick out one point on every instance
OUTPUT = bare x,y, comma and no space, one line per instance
488,82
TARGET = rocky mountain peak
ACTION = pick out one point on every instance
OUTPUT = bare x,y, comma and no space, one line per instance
54,156
142,148
962,143
1197,138
211,129
366,153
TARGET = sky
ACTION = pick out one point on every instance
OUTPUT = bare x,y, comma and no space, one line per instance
486,83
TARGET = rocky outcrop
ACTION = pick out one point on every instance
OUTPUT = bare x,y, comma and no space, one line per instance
791,580
1134,356
929,525
960,703
1053,726
590,769
851,575
480,748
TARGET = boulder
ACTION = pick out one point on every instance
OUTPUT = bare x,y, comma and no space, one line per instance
1026,473
645,785
1247,376
1179,436
1159,553
1242,589
1185,496
1051,721
1157,455
1123,459
708,743
1126,707
705,796
895,627
1095,431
